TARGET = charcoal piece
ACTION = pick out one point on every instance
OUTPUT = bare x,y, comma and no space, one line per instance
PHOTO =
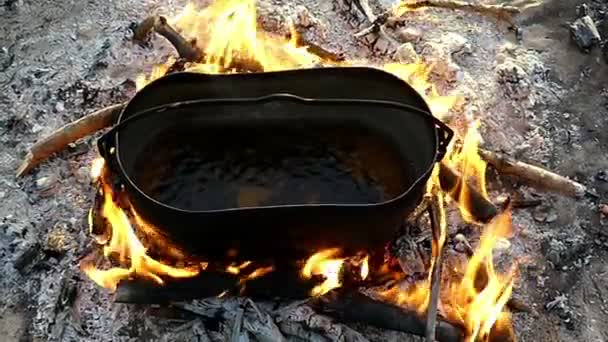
27,257
584,33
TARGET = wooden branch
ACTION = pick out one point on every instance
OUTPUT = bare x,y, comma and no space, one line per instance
159,24
501,12
439,236
534,175
59,140
451,182
188,50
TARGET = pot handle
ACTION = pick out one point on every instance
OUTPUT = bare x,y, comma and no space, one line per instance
444,136
106,142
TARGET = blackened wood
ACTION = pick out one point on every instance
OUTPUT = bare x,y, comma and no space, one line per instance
204,285
284,284
357,307
451,182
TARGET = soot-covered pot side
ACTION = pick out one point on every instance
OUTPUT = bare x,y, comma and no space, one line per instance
288,231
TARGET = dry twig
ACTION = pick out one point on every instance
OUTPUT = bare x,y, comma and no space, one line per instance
534,175
59,140
439,235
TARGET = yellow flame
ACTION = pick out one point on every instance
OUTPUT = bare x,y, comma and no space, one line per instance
365,268
226,31
417,75
479,299
472,169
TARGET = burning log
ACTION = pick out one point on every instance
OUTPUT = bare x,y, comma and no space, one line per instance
451,182
534,175
357,307
59,140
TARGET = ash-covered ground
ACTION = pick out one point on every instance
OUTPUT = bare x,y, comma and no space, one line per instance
540,97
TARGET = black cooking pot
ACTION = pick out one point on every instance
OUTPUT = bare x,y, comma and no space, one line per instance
268,109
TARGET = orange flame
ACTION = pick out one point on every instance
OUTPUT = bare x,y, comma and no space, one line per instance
329,266
125,247
324,263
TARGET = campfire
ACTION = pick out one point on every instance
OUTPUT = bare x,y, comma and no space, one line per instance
455,297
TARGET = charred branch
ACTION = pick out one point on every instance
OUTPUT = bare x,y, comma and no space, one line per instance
535,176
59,140
451,182
284,284
357,307
206,284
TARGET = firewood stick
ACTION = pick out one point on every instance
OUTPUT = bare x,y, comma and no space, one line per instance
534,175
357,307
451,182
67,134
159,24
439,235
